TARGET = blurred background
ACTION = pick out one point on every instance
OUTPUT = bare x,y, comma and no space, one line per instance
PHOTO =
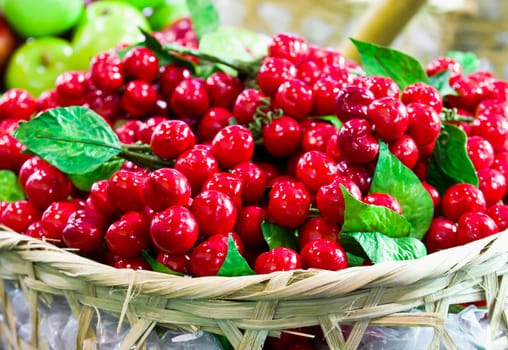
440,26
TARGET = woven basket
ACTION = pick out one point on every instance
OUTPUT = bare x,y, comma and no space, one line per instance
248,309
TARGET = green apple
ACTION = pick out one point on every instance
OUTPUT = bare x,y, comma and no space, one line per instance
167,13
105,25
36,18
141,4
36,64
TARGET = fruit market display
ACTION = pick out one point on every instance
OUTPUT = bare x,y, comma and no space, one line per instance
190,154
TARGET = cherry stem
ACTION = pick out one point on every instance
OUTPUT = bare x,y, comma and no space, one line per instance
451,115
137,147
144,160
246,68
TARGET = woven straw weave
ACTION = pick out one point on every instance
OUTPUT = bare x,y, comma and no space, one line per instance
248,309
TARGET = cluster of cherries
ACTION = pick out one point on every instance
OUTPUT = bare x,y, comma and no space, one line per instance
241,153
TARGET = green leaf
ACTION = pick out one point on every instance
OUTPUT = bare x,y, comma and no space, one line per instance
158,266
234,264
10,189
85,181
383,61
468,60
450,162
393,177
381,248
255,43
332,119
437,177
441,82
224,45
278,236
360,216
204,16
165,57
354,260
74,139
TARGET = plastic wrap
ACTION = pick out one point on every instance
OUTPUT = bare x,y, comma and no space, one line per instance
58,328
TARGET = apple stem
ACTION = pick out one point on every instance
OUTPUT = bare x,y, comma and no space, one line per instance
45,60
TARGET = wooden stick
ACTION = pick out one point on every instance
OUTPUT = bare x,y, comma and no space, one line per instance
381,24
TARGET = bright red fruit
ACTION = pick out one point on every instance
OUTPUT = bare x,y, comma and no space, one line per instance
84,231
288,203
442,234
233,145
207,258
166,187
128,237
171,138
330,201
277,259
475,225
383,199
174,230
215,212
461,198
317,228
324,254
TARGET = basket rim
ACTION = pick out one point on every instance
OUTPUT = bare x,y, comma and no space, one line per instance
386,274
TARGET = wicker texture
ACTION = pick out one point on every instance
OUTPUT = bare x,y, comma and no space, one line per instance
247,309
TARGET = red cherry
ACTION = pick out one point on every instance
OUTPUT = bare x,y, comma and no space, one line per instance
315,169
248,225
175,262
277,259
84,231
233,145
442,234
190,98
384,200
282,137
253,180
356,141
17,104
295,98
288,203
330,201
215,212
289,46
128,237
499,213
223,89
389,117
423,93
171,138
475,225
174,230
215,119
197,164
461,198
317,228
19,215
324,254
166,187
141,63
